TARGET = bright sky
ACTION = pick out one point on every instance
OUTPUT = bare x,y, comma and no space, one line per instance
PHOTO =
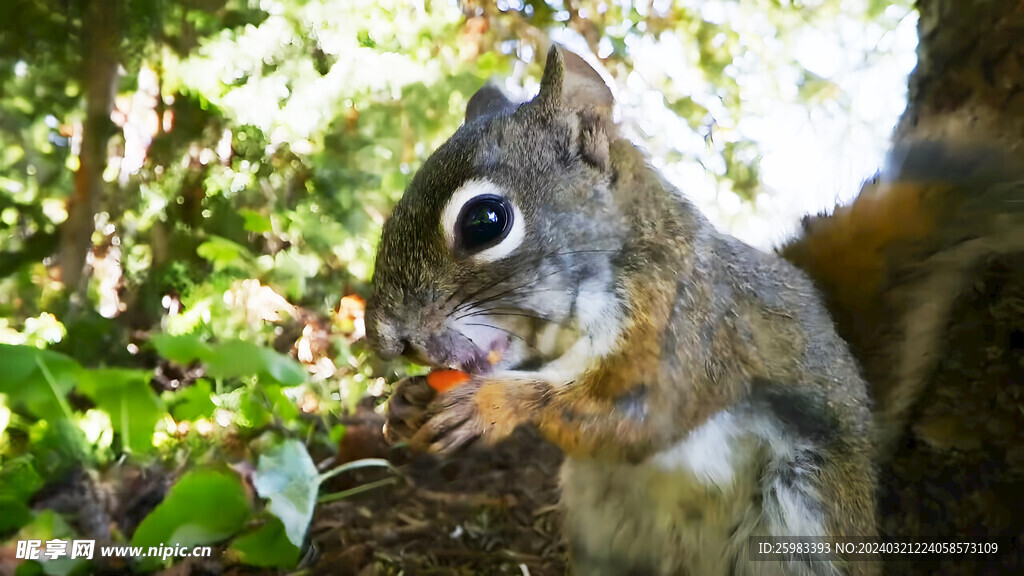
812,157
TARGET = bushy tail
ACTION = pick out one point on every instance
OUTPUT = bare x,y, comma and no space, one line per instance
894,263
924,276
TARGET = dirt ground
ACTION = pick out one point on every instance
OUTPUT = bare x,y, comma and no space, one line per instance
481,512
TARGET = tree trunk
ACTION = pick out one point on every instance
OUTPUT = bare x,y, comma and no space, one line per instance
100,33
959,470
969,81
924,277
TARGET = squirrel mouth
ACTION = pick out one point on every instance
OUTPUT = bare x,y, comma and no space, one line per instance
483,344
505,348
484,362
451,349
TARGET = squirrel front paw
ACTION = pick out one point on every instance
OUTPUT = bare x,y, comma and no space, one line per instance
482,409
432,422
407,408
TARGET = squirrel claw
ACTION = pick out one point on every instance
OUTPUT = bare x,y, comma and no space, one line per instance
455,427
408,408
431,422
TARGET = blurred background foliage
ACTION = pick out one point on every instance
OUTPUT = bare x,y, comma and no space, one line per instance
191,190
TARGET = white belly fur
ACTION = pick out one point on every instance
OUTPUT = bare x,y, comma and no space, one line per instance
689,509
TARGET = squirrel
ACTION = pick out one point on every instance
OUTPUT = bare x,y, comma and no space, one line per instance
697,386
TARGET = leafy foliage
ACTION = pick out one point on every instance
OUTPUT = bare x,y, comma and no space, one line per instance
288,479
252,150
267,546
203,507
175,520
125,396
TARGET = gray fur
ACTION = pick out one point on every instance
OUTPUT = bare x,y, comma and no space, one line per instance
706,397
561,197
487,101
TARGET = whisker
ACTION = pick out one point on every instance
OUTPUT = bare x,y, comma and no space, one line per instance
501,306
468,299
509,332
479,311
505,330
505,292
590,251
514,271
516,313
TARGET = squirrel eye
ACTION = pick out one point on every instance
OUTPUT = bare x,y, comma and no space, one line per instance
484,222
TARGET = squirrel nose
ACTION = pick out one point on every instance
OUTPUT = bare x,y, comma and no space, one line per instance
388,343
389,335
414,353
389,348
384,337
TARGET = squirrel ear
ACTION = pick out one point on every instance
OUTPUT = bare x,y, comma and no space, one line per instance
487,101
569,82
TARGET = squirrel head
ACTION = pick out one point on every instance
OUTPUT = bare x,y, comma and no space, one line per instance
506,235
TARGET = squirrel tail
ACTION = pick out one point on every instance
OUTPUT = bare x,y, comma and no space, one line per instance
924,276
893,265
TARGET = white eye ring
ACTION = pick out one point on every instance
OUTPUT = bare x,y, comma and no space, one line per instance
465,194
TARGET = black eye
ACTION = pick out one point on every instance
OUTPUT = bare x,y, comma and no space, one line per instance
484,222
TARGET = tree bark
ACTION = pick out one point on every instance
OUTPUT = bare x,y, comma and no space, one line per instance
969,81
925,279
958,472
100,34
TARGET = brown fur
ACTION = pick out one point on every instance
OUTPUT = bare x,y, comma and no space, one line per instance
941,243
706,397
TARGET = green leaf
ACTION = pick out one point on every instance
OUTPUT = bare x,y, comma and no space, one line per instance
133,407
282,368
45,525
203,507
287,477
183,349
283,406
224,254
58,445
48,525
337,433
30,568
38,380
256,222
14,514
19,479
236,358
18,361
267,546
193,402
253,411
